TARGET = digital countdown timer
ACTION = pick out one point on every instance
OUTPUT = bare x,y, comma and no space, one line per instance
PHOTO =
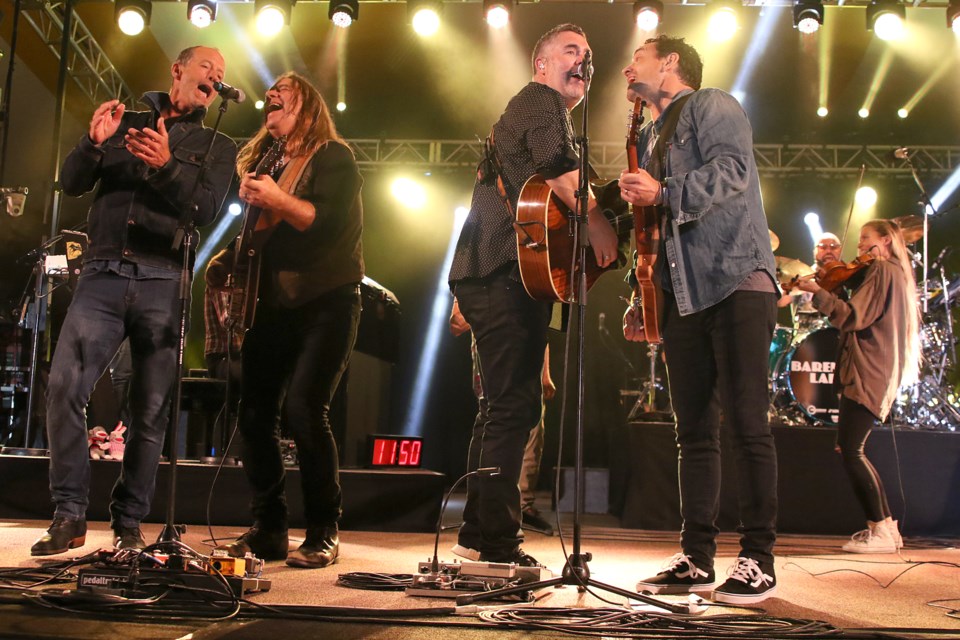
394,451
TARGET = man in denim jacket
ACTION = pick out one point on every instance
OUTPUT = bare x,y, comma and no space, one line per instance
717,272
146,164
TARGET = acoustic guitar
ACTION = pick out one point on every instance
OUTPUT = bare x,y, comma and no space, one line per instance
244,282
546,244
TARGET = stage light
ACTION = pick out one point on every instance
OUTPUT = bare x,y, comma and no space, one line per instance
723,20
409,193
823,112
902,113
953,16
272,15
886,19
424,16
808,15
863,112
234,209
341,106
866,196
812,220
258,105
497,12
202,13
132,15
342,13
647,13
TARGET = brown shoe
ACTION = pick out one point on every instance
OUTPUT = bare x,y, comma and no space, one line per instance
320,549
62,535
266,544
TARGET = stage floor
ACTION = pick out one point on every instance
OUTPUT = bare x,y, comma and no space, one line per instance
816,580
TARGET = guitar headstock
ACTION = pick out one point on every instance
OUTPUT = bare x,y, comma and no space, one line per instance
635,122
273,158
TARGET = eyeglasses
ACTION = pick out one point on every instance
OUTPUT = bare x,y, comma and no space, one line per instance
828,245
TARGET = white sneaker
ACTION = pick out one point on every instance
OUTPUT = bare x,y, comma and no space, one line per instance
876,538
466,552
894,527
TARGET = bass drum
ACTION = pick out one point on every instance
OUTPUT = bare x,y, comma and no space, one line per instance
803,379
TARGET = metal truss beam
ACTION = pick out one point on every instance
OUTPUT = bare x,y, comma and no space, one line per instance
609,158
87,63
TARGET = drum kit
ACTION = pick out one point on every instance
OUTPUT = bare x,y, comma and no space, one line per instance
803,357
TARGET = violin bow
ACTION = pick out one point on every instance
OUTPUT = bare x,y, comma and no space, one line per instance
843,239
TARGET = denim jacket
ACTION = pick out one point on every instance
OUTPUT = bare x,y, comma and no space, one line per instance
136,210
716,231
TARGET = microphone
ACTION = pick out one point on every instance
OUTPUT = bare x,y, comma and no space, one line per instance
902,153
938,261
585,68
229,93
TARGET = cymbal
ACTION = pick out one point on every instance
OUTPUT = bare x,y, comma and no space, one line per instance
774,240
911,227
790,268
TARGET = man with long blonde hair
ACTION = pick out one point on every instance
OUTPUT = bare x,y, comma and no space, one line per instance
306,319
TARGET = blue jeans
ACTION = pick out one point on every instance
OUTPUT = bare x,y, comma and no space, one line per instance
717,359
296,357
106,308
511,332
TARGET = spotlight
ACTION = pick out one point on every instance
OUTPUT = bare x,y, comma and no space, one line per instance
341,106
343,12
953,16
258,105
886,19
409,193
424,16
723,20
272,15
863,112
866,196
201,13
808,15
647,13
902,113
823,112
234,209
132,15
497,12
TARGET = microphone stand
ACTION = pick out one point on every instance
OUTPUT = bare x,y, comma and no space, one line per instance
183,239
928,211
39,303
576,572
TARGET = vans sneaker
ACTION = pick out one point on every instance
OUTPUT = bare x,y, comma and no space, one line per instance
679,575
748,583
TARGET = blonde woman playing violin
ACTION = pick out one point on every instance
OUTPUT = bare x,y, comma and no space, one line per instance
879,351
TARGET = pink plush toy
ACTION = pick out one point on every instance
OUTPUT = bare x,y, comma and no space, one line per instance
116,442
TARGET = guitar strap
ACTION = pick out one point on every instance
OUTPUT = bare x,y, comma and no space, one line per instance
288,181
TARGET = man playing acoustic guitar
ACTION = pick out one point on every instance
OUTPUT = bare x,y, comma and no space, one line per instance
533,136
717,270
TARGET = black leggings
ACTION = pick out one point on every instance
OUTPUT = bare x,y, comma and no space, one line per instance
854,426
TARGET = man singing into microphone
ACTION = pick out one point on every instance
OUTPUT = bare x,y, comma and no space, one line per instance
147,166
533,136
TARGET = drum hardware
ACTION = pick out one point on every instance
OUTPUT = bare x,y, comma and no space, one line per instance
647,408
802,388
911,227
788,269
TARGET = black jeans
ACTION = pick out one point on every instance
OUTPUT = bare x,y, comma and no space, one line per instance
511,333
107,307
853,428
302,352
717,359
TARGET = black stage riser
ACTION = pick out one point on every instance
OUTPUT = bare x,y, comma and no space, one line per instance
373,500
815,495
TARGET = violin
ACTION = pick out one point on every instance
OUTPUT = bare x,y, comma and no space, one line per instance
833,275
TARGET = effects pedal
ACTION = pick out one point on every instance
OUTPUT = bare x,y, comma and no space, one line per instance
453,579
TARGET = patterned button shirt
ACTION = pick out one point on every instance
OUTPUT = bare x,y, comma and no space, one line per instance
534,135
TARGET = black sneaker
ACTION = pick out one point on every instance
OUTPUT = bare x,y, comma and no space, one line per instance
748,583
518,557
533,521
62,535
128,538
679,575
